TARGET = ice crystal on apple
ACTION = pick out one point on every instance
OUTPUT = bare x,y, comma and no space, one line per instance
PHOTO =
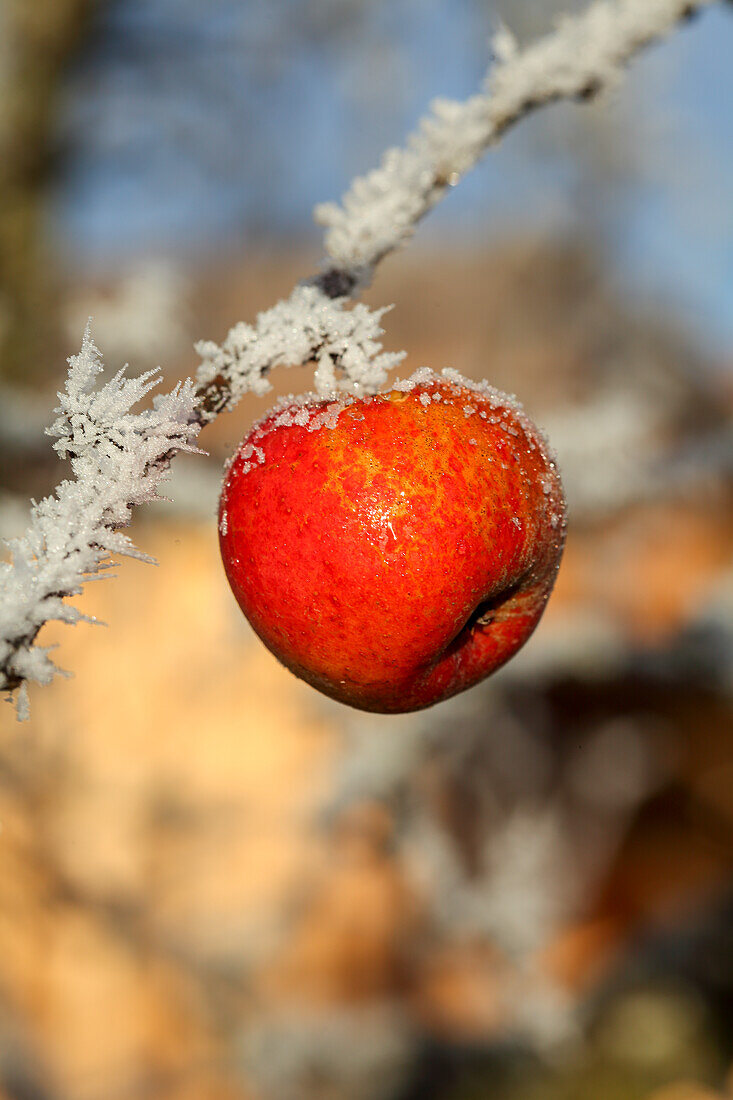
395,581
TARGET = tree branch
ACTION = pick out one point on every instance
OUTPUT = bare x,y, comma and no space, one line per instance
380,211
585,55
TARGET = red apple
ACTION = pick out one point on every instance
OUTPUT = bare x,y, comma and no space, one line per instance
396,549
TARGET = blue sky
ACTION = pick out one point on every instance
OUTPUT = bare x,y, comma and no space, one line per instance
196,125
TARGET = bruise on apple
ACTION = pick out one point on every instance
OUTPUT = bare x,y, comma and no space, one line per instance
396,549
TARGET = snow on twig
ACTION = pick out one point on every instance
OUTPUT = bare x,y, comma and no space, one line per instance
119,458
583,56
381,210
307,327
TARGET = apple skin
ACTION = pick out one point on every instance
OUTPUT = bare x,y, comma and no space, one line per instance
394,550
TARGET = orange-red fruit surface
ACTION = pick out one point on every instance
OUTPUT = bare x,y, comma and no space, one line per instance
393,550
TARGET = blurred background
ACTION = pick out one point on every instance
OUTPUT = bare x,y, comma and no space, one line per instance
214,883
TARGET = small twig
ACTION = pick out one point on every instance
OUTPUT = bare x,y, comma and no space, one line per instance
585,55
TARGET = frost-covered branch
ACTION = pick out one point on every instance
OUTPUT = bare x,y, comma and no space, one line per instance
380,211
307,327
583,56
118,459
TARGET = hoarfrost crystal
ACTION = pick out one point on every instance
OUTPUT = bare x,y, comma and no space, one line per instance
118,459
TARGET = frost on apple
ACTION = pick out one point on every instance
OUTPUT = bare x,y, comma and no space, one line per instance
118,458
326,555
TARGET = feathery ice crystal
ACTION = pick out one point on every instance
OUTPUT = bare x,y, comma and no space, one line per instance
118,459
306,327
